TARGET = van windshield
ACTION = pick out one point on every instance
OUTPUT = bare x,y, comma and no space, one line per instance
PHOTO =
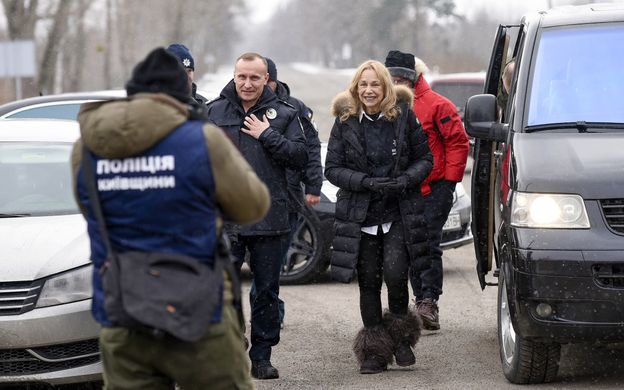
578,76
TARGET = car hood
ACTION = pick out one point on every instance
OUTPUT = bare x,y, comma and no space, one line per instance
35,247
588,164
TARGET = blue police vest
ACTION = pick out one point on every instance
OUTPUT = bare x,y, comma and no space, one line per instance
162,200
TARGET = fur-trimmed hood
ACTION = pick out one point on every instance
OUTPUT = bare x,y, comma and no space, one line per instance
124,127
343,101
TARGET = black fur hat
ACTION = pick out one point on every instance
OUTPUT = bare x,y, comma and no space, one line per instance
162,72
401,65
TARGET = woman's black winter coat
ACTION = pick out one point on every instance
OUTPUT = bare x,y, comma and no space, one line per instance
346,166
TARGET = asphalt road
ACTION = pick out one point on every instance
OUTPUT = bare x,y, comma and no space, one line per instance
323,318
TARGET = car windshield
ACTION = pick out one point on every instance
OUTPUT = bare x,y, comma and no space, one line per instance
578,76
36,179
458,91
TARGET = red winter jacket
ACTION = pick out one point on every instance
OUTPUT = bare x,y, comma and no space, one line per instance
448,140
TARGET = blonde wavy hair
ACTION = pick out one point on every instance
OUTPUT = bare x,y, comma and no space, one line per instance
388,103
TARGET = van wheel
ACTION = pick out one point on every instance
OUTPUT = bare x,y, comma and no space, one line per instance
523,360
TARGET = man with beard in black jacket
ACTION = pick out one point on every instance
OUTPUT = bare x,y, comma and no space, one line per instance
268,133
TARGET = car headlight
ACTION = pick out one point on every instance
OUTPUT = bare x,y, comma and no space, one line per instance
68,287
552,211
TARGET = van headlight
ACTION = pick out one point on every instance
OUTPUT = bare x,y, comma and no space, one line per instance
68,287
551,211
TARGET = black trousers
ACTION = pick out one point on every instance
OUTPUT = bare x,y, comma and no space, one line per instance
426,275
265,260
383,256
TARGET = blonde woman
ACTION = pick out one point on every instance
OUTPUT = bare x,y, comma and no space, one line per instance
378,156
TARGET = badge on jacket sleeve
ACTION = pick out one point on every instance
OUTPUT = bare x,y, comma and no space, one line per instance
271,113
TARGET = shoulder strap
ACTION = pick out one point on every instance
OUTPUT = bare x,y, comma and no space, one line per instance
90,181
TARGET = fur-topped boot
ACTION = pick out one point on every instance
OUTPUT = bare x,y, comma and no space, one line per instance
405,332
373,349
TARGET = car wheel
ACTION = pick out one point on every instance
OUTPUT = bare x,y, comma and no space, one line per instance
523,360
305,258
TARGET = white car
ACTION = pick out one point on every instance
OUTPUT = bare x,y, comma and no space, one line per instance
47,333
60,106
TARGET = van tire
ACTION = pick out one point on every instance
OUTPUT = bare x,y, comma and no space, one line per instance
523,360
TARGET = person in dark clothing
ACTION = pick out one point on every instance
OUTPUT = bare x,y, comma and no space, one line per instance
164,183
268,133
449,145
184,55
312,176
505,85
378,156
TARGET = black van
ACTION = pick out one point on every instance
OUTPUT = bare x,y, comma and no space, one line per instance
548,185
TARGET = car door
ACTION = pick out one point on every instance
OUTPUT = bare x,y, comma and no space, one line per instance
484,169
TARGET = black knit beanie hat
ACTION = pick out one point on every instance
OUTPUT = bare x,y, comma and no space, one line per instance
401,65
271,69
162,72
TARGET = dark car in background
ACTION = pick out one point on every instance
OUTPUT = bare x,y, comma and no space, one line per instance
458,87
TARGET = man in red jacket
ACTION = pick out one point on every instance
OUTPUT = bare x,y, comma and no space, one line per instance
448,142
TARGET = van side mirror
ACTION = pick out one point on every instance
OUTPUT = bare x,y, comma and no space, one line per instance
480,118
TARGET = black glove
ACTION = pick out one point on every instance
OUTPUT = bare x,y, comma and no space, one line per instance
397,185
375,184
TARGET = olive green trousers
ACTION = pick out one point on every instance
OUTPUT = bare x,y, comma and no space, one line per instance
135,360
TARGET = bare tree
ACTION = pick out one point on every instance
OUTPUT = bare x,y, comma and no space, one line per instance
21,18
344,33
47,67
74,49
109,44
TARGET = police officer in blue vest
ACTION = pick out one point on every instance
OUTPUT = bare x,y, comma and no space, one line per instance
165,184
268,133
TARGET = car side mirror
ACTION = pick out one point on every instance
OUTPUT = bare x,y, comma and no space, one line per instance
480,118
